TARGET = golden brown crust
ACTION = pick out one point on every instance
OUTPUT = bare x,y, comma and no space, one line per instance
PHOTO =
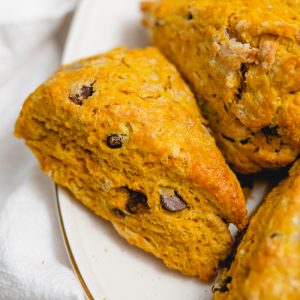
121,131
242,59
267,262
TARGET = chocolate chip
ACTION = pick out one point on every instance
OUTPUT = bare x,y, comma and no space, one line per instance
245,141
172,202
137,202
228,138
222,286
118,212
242,86
76,99
243,70
274,234
85,92
190,16
115,141
270,130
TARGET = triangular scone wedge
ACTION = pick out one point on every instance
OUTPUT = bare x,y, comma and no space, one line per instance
242,60
123,132
267,261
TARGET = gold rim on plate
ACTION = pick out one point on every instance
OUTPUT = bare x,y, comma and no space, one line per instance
69,250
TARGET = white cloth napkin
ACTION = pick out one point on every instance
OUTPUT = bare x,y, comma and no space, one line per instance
33,261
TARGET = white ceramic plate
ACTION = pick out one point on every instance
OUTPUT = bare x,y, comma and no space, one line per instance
107,267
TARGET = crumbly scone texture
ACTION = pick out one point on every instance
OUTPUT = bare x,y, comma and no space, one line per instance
242,60
123,132
267,262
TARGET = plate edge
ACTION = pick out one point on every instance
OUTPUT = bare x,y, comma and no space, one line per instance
75,267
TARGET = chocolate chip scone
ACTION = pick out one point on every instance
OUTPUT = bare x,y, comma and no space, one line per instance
267,262
242,59
123,133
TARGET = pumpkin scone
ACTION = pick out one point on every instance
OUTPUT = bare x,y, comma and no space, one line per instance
242,60
123,132
267,262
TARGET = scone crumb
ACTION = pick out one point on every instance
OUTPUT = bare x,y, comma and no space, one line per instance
242,25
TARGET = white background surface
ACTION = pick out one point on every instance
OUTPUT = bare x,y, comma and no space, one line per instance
33,262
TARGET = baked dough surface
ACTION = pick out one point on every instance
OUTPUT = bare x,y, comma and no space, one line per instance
122,131
242,60
267,261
